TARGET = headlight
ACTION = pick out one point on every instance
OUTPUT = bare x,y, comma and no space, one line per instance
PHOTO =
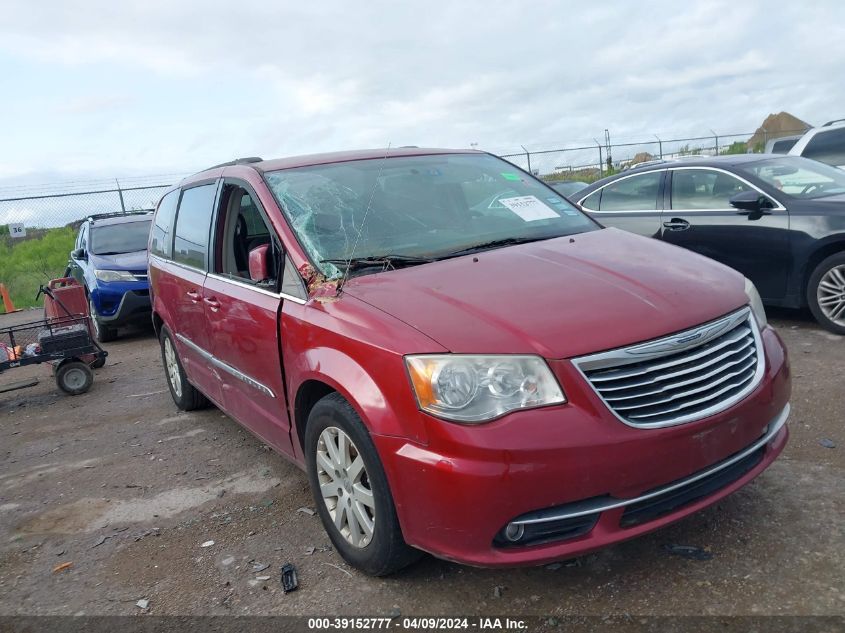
474,389
755,302
114,275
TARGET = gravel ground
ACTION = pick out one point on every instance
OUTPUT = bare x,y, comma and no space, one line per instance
123,490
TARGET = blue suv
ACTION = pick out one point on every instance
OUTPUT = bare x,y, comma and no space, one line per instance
110,260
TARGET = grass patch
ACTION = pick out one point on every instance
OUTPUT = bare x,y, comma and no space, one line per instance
27,263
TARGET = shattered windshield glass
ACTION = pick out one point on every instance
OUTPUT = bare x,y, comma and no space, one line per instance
422,207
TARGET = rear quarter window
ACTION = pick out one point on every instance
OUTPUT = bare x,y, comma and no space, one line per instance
827,147
161,242
193,223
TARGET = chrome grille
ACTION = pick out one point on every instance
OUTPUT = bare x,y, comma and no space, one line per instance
679,378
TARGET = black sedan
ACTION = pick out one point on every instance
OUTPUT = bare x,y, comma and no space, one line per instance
779,220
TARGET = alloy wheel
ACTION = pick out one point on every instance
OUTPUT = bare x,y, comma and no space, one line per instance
831,294
171,365
345,487
93,311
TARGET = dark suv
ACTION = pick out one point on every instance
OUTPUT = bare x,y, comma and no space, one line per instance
110,260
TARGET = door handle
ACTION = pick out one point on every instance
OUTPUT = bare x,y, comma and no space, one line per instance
677,224
193,295
212,303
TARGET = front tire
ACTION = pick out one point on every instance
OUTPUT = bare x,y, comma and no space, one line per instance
185,395
826,293
103,333
350,490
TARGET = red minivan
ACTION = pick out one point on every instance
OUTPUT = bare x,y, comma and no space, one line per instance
462,362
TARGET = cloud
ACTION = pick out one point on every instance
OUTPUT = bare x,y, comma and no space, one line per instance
216,80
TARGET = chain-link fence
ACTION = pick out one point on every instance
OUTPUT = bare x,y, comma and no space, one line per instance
38,224
585,161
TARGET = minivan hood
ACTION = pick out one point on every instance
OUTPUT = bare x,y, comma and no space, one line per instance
558,298
120,261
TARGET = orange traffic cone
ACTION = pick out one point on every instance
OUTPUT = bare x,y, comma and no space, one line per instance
7,300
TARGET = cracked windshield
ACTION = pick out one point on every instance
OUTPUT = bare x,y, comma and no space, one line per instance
415,209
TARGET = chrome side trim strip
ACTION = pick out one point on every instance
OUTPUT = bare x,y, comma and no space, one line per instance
665,167
280,295
602,505
276,295
226,367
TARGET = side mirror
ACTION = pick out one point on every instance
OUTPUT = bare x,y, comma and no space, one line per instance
79,253
259,264
749,201
752,204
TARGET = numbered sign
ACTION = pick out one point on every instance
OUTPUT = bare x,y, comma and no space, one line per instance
17,230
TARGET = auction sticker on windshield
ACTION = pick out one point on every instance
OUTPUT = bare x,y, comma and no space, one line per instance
529,208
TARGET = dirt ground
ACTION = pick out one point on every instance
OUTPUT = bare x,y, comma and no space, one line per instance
126,490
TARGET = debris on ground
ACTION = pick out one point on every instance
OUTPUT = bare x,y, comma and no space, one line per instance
256,567
690,552
100,541
290,582
227,561
143,603
345,571
827,442
554,566
62,567
305,510
262,578
207,544
497,591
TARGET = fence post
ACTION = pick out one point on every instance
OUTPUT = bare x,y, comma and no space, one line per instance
601,159
120,193
659,145
716,136
528,158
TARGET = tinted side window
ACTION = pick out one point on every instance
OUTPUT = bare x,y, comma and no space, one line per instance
192,225
783,147
636,193
161,242
827,147
592,202
704,189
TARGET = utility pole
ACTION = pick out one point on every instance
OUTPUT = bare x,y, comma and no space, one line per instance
609,157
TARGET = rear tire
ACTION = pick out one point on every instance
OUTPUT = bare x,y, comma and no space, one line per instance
185,395
826,293
74,377
359,501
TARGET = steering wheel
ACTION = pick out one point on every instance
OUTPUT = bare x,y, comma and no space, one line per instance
811,187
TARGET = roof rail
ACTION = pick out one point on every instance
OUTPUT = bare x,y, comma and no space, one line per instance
832,122
237,161
118,214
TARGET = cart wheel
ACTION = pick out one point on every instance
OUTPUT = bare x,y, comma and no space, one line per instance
74,377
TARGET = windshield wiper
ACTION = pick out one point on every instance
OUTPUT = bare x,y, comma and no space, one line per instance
384,261
507,241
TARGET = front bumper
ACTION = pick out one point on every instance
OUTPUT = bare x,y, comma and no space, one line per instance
455,496
123,304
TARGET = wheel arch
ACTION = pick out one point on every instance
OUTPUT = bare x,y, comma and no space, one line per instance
831,247
386,404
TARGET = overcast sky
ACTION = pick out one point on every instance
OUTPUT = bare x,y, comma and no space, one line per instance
121,88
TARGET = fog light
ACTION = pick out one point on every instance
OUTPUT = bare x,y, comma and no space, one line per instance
514,531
